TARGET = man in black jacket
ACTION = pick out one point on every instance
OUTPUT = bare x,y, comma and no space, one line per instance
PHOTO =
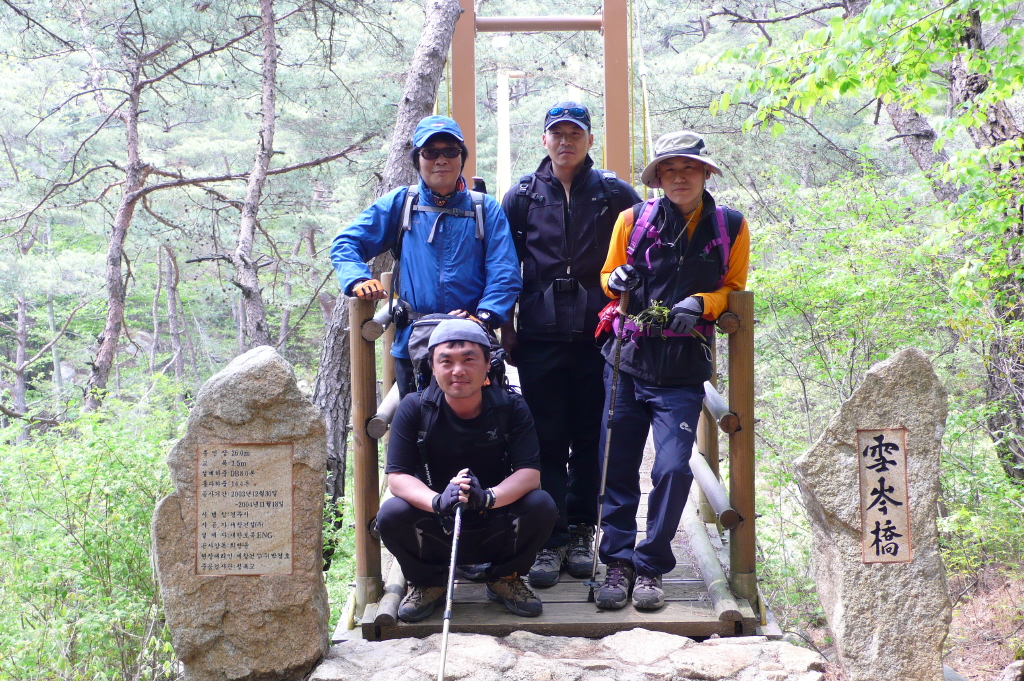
562,217
479,448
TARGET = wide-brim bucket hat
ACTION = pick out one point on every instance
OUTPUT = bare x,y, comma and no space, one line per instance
685,143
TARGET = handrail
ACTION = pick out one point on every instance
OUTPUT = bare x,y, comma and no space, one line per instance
728,421
710,569
714,491
377,426
374,328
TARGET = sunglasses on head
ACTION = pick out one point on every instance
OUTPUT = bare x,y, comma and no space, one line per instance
575,112
447,152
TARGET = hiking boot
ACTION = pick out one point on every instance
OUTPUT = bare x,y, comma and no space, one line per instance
472,573
547,566
647,593
580,555
614,593
420,602
515,595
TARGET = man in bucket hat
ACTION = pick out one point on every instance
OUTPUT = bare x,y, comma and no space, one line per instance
451,257
464,457
562,216
684,253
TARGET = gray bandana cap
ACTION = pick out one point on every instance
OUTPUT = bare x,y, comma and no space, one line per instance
683,143
458,329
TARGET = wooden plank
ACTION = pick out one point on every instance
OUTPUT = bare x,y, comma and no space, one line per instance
567,619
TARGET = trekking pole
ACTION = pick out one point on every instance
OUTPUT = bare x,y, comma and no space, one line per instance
451,590
623,303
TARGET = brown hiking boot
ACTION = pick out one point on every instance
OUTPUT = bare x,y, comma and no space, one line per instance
513,592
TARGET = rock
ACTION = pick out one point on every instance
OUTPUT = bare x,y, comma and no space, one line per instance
230,625
889,620
713,662
1015,672
639,646
949,674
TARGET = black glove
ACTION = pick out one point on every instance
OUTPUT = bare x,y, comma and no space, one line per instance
623,278
684,315
444,503
477,494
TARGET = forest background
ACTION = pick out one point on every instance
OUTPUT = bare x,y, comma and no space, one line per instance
155,222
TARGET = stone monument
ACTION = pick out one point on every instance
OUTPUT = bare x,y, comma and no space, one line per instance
237,546
870,485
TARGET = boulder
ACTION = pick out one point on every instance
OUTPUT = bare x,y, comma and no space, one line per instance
889,620
244,595
635,655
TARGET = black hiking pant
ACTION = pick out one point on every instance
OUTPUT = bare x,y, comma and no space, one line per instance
508,538
563,386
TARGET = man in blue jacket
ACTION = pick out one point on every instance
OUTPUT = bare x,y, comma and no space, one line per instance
451,258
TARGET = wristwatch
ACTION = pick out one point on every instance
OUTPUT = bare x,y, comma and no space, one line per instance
487,318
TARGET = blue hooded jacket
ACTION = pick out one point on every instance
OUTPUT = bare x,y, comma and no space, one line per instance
455,272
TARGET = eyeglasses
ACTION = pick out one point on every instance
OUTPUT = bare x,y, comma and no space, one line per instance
447,152
576,112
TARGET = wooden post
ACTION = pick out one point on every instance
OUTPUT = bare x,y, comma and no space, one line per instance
365,480
463,83
616,88
387,363
742,554
707,443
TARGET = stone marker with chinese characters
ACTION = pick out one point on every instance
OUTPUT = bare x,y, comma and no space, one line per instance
884,515
244,512
870,486
237,546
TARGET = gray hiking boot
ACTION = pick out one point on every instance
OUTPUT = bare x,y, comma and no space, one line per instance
420,602
579,557
547,566
515,595
614,593
647,593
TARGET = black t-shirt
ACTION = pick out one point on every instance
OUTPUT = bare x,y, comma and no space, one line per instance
457,443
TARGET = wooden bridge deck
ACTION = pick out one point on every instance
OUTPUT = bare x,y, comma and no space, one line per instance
688,611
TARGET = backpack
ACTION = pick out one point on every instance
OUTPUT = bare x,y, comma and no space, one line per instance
408,206
525,194
419,338
496,394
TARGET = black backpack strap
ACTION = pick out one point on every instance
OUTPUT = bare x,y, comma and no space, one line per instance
429,408
499,399
524,195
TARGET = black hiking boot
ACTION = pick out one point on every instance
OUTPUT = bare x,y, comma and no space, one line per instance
579,558
547,566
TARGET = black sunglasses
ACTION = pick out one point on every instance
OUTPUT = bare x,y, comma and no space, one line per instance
447,152
575,112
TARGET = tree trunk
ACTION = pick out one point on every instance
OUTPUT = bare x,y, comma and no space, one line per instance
173,318
331,393
156,309
1005,361
20,355
116,287
247,277
919,139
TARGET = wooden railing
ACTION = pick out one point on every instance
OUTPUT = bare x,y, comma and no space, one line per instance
732,510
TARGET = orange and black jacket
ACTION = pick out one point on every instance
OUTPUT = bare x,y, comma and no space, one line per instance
679,266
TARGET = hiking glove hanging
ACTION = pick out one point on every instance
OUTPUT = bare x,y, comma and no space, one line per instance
444,503
369,289
684,315
623,278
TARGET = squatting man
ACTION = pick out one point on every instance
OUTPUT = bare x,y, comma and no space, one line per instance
464,459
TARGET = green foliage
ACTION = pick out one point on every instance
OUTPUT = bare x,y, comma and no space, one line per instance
78,599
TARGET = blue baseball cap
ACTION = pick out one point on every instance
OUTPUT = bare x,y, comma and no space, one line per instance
432,125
